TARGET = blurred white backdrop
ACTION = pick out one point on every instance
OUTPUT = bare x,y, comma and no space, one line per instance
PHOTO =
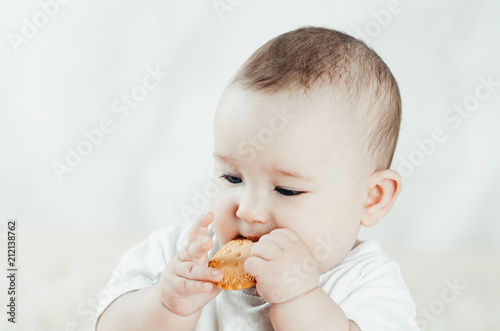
66,68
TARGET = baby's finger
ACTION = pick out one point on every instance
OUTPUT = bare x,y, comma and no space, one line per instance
195,250
193,271
266,249
255,266
279,238
292,235
185,287
199,228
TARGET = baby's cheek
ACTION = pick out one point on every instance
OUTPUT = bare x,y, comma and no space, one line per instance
324,249
222,232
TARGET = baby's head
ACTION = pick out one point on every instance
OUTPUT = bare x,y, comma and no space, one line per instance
305,133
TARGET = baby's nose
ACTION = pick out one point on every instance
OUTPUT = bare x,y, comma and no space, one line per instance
253,209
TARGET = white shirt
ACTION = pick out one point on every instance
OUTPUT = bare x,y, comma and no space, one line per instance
366,284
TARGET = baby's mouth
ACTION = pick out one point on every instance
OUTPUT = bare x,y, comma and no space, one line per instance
254,239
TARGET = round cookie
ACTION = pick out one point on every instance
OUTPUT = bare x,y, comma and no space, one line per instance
231,258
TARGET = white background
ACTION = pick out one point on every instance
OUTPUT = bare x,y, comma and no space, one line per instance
63,79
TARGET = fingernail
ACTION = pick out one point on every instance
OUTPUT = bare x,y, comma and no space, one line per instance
215,272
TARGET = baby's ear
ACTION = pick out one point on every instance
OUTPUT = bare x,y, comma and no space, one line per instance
382,190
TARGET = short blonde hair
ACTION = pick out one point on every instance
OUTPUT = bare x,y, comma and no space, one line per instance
312,55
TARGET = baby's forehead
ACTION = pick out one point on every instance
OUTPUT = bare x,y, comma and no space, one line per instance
305,112
287,127
316,101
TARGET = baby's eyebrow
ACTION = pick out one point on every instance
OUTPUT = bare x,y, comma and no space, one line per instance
278,171
228,159
287,173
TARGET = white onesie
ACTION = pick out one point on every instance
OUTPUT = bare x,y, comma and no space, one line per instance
366,284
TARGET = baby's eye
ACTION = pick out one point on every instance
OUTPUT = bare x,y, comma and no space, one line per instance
231,179
284,191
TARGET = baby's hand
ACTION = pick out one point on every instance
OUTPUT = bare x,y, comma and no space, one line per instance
283,266
185,285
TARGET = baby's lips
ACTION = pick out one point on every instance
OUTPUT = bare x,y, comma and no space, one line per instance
252,238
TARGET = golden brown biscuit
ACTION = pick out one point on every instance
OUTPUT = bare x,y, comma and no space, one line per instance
231,258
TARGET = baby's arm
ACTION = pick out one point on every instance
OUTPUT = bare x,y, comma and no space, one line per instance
314,310
176,301
143,310
296,304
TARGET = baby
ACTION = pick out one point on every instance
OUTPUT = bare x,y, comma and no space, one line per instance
305,133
